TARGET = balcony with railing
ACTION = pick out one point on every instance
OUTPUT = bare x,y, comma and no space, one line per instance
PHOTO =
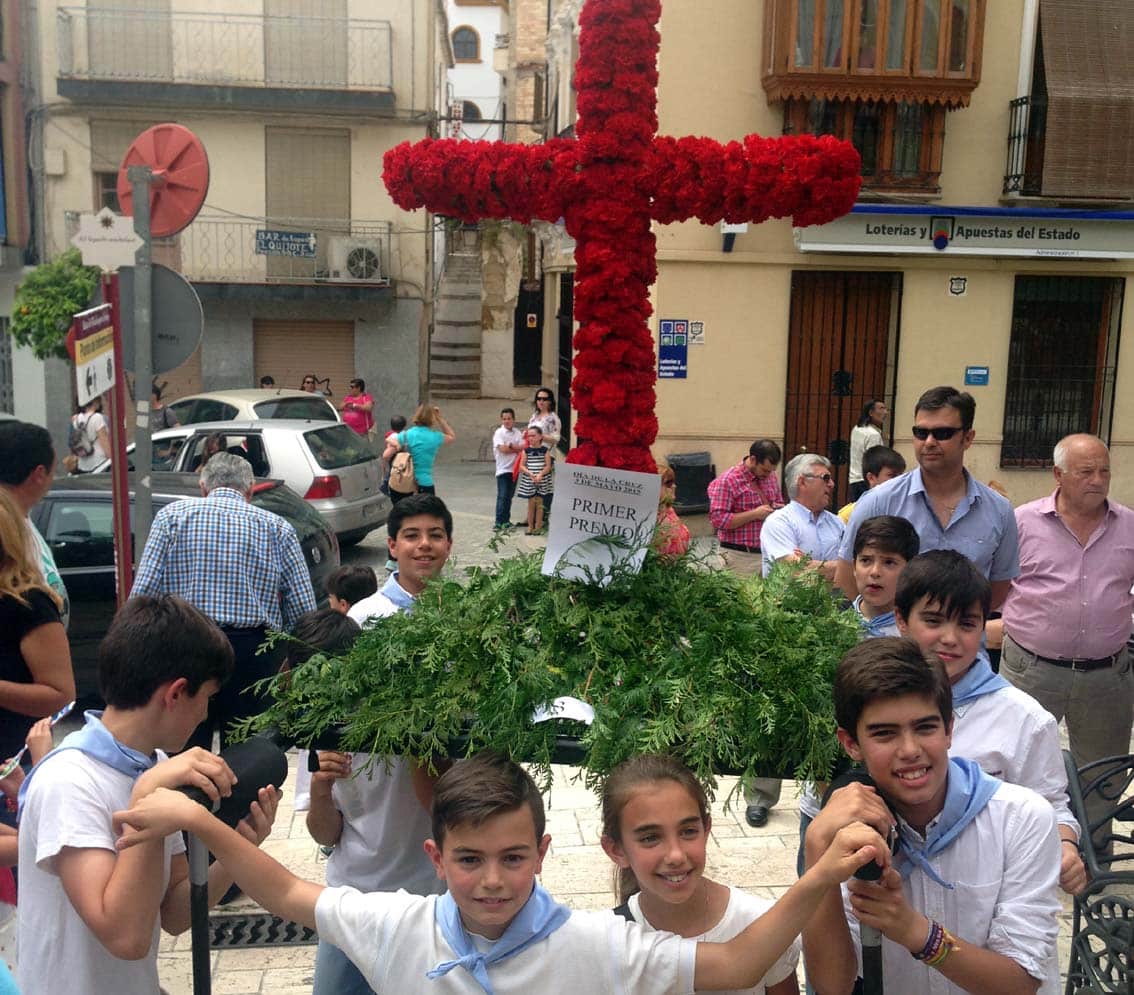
226,256
246,61
1027,133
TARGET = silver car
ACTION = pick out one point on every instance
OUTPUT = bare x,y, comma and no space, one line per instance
326,463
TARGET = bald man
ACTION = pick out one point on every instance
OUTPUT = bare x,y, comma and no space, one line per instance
1067,614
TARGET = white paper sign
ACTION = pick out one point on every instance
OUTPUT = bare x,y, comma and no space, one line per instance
601,518
106,239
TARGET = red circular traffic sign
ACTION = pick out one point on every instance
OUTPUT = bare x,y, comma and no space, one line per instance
181,176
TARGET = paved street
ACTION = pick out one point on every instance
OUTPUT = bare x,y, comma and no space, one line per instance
576,871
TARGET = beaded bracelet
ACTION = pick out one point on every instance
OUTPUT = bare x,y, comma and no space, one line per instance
948,945
933,942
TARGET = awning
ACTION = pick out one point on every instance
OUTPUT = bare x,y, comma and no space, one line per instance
1088,62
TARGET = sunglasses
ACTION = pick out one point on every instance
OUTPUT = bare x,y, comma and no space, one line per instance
542,397
825,477
942,434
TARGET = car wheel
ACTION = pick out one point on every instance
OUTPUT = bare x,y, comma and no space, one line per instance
353,538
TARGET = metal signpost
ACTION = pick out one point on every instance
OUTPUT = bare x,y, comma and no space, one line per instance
162,183
108,241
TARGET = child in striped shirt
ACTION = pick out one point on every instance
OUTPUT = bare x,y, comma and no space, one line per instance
536,477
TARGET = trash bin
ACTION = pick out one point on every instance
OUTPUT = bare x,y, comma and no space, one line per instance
693,473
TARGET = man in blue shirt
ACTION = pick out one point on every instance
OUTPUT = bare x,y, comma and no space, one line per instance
240,565
949,508
804,526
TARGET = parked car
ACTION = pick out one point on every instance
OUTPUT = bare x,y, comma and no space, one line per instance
331,466
229,405
76,519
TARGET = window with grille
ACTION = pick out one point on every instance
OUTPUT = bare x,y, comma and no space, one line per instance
1061,364
466,45
901,143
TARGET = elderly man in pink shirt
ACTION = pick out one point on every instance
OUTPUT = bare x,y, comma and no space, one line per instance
1067,615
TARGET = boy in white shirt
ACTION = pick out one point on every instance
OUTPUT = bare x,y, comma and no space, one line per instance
507,441
496,930
969,903
89,914
942,603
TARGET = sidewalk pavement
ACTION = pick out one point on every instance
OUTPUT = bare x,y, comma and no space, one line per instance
577,871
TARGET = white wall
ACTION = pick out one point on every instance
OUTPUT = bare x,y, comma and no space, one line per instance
477,82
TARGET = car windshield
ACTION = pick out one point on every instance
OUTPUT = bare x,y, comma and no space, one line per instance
311,408
337,446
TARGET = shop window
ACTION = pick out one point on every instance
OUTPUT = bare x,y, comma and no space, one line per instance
466,45
900,143
1061,364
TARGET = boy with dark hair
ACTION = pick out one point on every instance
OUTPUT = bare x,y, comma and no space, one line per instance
496,929
507,441
971,895
942,603
882,548
879,464
89,914
397,424
349,584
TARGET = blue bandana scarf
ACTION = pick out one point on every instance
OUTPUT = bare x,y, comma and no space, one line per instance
885,624
968,791
95,740
540,917
977,681
397,594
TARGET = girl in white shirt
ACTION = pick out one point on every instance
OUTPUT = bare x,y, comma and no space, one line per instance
656,824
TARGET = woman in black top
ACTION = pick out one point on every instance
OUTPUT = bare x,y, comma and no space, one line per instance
36,677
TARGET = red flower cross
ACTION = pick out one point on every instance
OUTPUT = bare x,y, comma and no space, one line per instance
609,184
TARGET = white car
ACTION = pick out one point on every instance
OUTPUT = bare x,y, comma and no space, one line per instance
230,405
328,464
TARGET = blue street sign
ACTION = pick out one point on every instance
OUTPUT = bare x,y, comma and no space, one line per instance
976,376
285,243
673,349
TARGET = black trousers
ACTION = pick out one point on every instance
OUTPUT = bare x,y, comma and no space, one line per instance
236,700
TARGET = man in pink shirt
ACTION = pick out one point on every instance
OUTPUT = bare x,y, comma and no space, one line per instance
1067,614
739,501
358,408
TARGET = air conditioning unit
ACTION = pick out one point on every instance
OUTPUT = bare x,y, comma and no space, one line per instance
355,260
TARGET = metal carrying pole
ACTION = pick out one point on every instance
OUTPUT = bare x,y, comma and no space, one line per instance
141,178
123,564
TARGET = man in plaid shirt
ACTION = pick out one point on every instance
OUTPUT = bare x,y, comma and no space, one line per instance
240,565
739,501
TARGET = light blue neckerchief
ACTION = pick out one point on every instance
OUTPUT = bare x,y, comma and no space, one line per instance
885,624
95,740
394,591
968,790
977,681
539,918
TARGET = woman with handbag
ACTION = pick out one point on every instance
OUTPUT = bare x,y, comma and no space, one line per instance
420,442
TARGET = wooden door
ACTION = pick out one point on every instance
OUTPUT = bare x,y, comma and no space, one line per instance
842,352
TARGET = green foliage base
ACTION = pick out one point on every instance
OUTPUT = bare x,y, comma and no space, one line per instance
732,676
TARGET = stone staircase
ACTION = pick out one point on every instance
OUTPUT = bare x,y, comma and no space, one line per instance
454,359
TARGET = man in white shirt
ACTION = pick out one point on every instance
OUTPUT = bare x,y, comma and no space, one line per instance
507,441
970,902
804,526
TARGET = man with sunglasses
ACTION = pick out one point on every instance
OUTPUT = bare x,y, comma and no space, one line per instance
804,527
949,508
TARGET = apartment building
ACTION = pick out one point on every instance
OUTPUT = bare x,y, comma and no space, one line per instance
474,83
991,246
302,263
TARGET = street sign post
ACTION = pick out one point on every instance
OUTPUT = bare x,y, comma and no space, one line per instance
93,331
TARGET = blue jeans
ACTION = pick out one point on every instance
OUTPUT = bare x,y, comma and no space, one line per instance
505,488
335,973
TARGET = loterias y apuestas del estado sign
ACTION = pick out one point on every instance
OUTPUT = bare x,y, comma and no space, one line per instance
973,231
